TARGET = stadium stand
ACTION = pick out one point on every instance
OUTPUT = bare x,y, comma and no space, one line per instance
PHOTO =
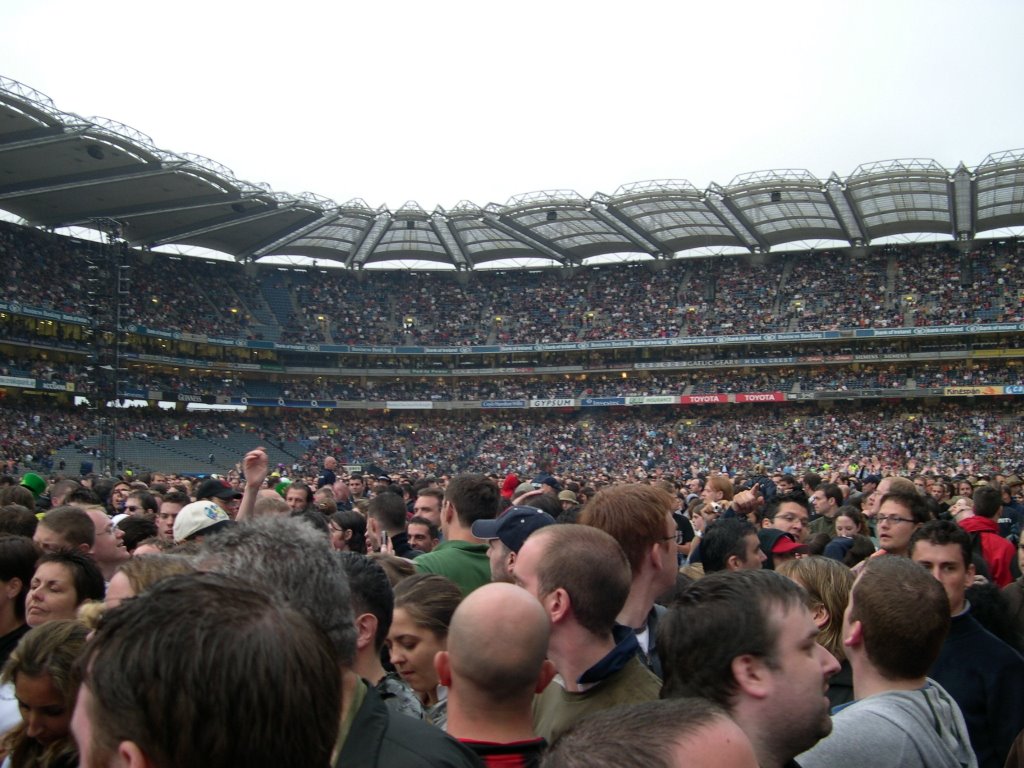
739,358
182,301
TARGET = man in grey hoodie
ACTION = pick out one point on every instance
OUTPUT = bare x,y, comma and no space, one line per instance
893,630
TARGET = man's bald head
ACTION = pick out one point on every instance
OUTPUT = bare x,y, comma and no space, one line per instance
269,504
497,643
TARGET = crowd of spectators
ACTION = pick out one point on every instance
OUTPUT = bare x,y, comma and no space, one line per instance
983,287
43,370
29,434
938,287
890,286
854,294
42,270
698,381
189,295
953,436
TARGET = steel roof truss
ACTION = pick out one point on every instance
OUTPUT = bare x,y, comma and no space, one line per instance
284,239
45,186
630,230
529,239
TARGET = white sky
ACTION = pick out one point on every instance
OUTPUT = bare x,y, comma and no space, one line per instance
442,101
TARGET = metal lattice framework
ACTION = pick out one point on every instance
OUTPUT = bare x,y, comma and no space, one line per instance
61,170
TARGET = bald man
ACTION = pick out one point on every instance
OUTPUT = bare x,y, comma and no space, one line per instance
494,665
327,476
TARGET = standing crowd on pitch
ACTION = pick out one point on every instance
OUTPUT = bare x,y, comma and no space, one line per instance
768,618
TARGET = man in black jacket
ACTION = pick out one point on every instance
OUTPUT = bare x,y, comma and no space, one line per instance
982,673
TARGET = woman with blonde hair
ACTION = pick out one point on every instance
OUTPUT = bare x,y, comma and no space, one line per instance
41,671
140,573
828,584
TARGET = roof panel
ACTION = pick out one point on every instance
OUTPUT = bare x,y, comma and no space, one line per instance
15,120
343,237
574,230
784,206
675,214
902,197
145,229
480,242
249,233
61,157
999,183
68,205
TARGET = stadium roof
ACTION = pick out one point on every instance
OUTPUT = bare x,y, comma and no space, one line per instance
60,170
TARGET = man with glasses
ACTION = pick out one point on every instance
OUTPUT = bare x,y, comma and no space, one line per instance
884,485
789,513
900,513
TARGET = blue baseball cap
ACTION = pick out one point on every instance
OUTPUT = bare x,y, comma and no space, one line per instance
513,527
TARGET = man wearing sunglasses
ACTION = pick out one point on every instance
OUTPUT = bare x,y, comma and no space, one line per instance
141,504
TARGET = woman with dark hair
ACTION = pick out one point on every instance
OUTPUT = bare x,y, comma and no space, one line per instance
348,531
424,605
62,581
852,542
135,530
18,557
116,497
41,671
